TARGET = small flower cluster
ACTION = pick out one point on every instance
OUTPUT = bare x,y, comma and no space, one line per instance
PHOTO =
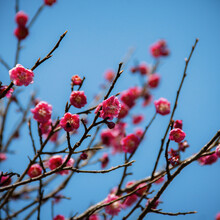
159,49
177,135
210,159
21,32
114,208
142,68
57,160
113,137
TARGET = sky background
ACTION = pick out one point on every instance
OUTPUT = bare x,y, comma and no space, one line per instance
100,34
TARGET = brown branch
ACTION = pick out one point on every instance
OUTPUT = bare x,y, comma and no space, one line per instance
39,61
35,16
31,136
4,64
172,214
175,106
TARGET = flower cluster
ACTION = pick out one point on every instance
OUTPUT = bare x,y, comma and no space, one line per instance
57,160
159,49
113,137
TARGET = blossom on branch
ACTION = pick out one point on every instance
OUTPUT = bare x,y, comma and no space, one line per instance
69,122
78,99
110,108
162,106
115,207
21,76
177,135
35,170
42,112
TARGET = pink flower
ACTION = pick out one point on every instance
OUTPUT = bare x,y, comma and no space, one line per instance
76,80
106,136
55,161
110,108
104,160
21,76
130,143
49,2
115,207
134,69
21,18
183,145
143,68
69,122
136,119
68,164
124,111
153,80
59,217
217,150
162,106
139,132
5,180
42,112
21,33
2,157
94,217
178,124
109,75
45,127
159,49
130,200
217,217
208,160
141,191
78,99
34,171
129,96
160,180
8,94
177,135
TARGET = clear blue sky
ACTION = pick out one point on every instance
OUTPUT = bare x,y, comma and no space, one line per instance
99,35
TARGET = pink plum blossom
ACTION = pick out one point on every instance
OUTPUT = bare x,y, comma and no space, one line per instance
178,124
21,18
21,76
49,3
115,207
153,80
59,217
42,112
130,143
34,171
69,122
109,75
21,32
76,80
177,135
78,99
162,106
110,108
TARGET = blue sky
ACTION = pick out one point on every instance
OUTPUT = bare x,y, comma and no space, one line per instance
100,33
